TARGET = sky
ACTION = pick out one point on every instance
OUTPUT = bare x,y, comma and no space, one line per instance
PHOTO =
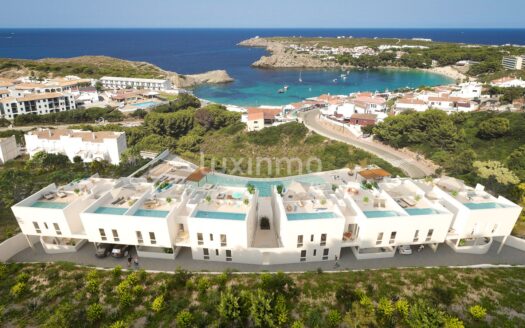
263,13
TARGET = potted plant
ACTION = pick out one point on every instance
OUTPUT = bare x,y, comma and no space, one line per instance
366,199
454,193
77,191
280,189
251,188
168,200
246,201
208,198
323,201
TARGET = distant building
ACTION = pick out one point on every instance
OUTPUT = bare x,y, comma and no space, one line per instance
410,104
8,149
259,118
363,119
452,104
89,146
508,82
513,62
36,103
110,82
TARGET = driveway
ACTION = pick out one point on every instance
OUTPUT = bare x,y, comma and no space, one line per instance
444,256
413,168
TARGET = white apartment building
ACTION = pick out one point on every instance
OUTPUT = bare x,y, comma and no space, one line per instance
513,62
8,149
89,146
36,103
452,104
167,213
505,82
404,104
110,82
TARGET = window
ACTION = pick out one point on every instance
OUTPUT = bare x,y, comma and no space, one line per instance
45,225
181,227
228,255
315,252
206,253
115,235
140,240
211,237
303,256
429,234
300,241
200,239
323,239
223,240
416,236
152,238
312,238
216,252
37,227
379,238
57,229
102,234
325,253
392,237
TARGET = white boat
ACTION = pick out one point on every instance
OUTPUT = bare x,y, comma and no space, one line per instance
334,80
300,77
285,88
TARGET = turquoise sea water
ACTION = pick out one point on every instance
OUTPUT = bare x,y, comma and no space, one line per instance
53,205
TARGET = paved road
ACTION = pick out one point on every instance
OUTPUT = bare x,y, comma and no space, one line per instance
444,256
412,167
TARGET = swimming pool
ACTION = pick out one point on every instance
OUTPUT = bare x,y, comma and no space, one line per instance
421,211
111,210
53,205
151,213
310,216
263,186
380,214
483,206
220,215
147,104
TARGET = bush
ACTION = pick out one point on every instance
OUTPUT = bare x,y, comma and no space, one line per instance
23,277
180,277
18,289
94,312
452,322
297,324
117,271
333,318
184,319
203,284
158,304
477,312
92,286
494,128
119,324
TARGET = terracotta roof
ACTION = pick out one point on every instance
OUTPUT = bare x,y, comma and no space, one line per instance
374,174
39,96
87,136
6,83
503,79
371,100
29,86
364,116
411,101
4,92
449,99
255,116
269,113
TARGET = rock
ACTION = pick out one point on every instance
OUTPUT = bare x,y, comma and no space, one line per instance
211,77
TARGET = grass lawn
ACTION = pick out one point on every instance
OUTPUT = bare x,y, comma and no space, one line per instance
63,295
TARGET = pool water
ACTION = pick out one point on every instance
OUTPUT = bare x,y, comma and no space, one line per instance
146,104
220,215
263,186
310,216
111,210
483,206
54,205
421,211
151,213
380,214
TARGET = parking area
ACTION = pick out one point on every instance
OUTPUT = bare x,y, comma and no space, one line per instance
444,256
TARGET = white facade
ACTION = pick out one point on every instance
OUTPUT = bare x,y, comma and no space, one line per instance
89,146
508,82
8,149
306,223
36,103
134,83
513,62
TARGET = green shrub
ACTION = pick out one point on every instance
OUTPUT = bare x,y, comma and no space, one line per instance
94,312
333,318
92,286
478,312
452,322
184,319
118,324
297,324
18,289
117,271
494,128
402,308
203,284
158,304
23,277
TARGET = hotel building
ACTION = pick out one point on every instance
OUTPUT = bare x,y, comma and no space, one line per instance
89,146
215,217
36,103
513,62
110,82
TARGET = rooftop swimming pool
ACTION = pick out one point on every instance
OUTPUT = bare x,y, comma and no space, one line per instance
483,206
310,216
147,104
421,211
151,213
263,186
111,210
54,205
380,214
220,215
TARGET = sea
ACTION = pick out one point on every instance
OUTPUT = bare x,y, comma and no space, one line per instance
189,51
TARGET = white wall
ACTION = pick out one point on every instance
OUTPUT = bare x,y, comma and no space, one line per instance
14,245
8,149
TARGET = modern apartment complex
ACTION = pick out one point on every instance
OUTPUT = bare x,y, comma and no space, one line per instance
513,62
89,146
36,103
173,208
110,82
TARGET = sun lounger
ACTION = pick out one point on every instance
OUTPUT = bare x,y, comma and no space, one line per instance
61,194
49,196
409,201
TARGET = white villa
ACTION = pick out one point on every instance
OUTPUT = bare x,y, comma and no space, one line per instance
110,82
174,208
89,146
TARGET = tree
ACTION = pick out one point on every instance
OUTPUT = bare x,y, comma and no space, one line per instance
494,128
184,101
494,170
516,161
